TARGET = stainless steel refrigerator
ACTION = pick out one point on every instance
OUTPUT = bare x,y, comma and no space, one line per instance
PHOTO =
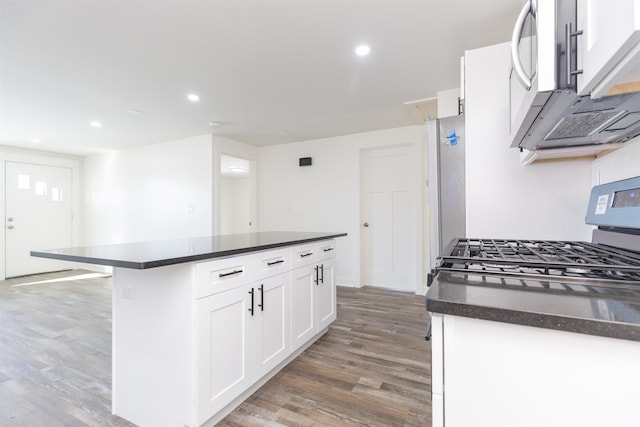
446,184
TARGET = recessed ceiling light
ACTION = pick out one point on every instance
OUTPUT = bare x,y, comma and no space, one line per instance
135,112
193,97
36,140
363,50
215,124
95,124
237,169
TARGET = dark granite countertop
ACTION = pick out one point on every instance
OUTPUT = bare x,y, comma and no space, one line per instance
596,307
143,255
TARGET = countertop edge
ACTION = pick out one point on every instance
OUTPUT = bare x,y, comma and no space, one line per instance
143,265
596,327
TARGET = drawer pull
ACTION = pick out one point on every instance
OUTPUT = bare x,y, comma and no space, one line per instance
328,249
306,255
230,273
280,261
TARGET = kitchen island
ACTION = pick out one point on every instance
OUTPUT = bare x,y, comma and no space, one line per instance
200,324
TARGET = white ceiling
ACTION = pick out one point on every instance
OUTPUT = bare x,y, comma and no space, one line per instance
268,71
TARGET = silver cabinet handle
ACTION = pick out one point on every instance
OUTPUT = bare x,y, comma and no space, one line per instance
569,36
10,219
527,8
10,227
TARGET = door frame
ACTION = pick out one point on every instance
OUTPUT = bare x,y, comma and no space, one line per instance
44,158
416,168
229,147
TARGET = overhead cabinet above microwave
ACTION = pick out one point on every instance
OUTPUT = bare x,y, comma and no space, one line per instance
574,81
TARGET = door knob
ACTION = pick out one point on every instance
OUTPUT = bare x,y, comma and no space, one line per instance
10,227
366,224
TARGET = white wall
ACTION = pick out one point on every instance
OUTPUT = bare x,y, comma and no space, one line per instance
504,198
326,195
146,193
620,164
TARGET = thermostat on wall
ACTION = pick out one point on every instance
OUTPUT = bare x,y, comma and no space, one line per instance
305,161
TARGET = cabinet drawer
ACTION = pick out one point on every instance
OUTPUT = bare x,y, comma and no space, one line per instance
271,263
304,255
326,250
223,274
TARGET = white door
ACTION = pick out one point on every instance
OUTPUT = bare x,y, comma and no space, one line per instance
38,215
388,239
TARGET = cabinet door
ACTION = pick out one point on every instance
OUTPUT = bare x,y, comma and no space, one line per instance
272,337
608,49
326,295
302,305
224,349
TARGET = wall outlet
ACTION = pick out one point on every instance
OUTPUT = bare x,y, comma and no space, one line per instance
128,292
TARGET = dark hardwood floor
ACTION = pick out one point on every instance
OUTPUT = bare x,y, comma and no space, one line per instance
371,369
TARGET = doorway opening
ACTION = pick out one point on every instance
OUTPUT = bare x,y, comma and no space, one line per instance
235,195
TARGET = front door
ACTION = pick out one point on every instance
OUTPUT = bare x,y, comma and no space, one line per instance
38,215
388,222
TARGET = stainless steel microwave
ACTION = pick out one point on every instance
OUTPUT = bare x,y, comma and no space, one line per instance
546,112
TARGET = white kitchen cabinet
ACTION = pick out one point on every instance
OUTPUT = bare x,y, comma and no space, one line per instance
224,274
303,316
272,343
325,287
313,292
225,333
448,102
325,295
243,334
609,48
529,376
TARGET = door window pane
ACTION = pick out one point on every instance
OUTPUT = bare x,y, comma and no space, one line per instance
56,194
41,188
23,182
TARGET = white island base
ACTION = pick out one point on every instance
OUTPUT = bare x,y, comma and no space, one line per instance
191,341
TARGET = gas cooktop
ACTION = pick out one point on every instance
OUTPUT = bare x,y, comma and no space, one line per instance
550,258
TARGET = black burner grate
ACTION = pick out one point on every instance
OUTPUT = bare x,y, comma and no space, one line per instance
541,257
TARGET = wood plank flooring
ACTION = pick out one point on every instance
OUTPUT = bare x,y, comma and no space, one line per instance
371,369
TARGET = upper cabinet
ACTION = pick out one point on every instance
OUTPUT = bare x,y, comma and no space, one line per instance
609,47
449,103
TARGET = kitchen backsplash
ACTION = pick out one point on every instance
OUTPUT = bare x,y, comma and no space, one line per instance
620,164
